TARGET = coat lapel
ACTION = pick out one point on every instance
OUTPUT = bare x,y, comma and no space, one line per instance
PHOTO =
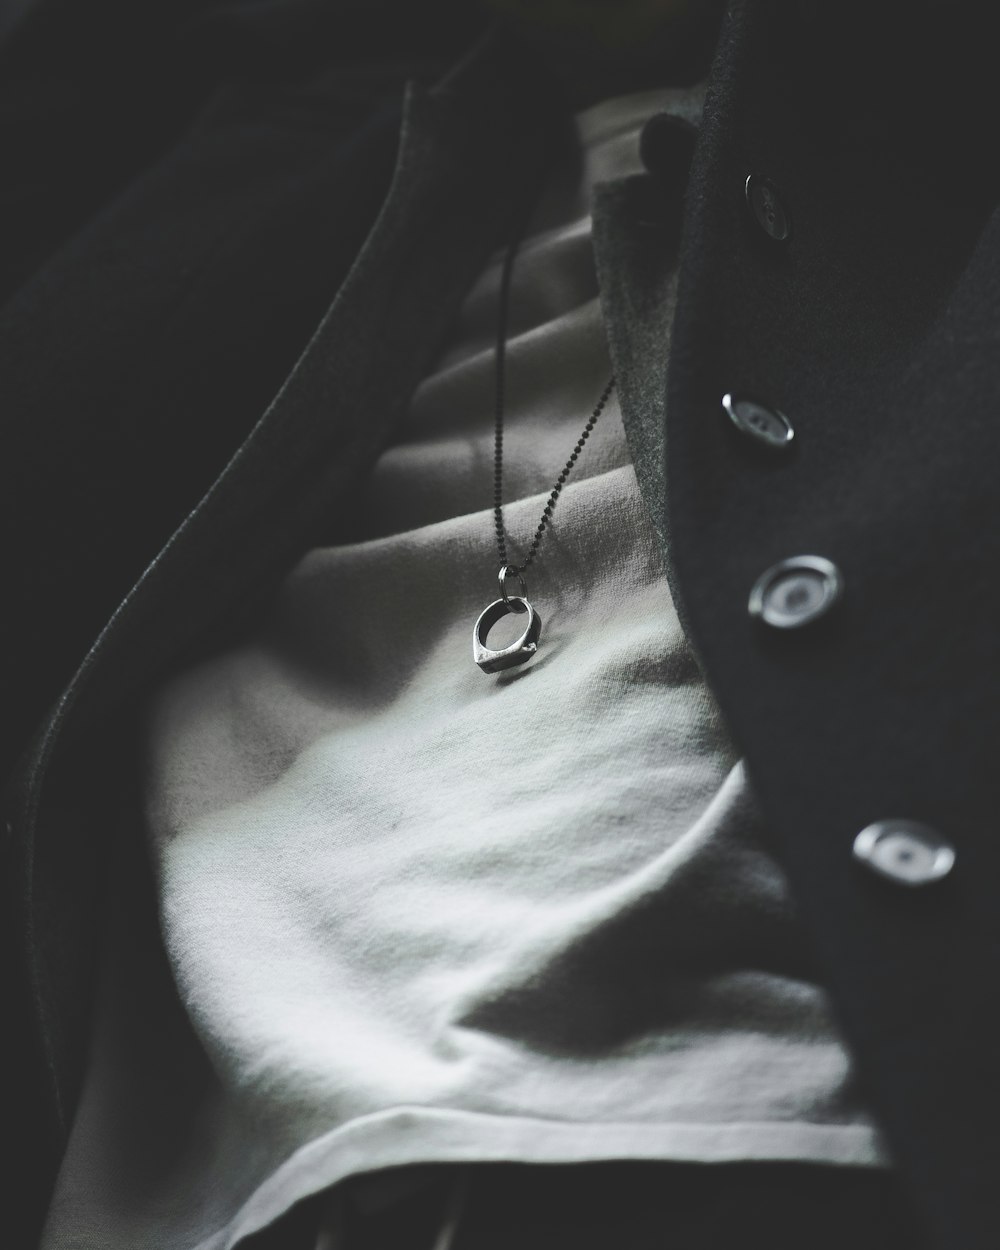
467,150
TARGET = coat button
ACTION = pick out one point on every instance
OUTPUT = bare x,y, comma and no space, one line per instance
666,145
767,209
765,426
795,591
905,851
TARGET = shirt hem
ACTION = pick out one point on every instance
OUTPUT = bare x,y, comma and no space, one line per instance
419,1135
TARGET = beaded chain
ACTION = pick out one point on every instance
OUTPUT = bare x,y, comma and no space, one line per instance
501,356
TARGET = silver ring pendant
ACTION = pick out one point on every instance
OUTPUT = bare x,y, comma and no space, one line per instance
520,650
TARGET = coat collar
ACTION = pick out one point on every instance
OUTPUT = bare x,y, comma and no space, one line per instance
468,149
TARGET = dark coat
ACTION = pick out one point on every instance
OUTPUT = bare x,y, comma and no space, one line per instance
225,269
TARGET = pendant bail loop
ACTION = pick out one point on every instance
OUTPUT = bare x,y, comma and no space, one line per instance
509,571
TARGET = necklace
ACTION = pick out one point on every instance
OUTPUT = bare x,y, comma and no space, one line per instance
526,645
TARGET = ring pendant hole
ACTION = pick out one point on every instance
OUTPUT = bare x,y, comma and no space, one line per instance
508,629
